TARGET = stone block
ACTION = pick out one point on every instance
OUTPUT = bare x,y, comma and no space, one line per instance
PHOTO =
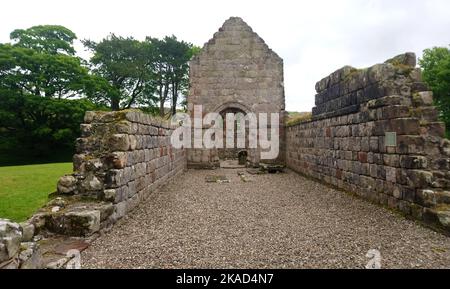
433,129
119,142
419,178
391,160
404,126
117,160
410,144
75,223
423,98
391,174
10,238
30,256
406,59
67,185
413,162
427,198
27,231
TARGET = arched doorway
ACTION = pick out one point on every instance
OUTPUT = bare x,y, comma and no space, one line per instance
232,153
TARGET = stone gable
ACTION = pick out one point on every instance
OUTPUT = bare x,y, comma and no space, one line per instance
237,66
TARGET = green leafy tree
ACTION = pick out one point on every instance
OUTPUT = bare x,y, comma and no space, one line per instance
436,73
41,62
40,127
51,39
38,72
125,64
171,71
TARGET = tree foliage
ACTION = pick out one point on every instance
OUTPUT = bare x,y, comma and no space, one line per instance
142,73
41,64
171,70
38,71
51,39
436,73
125,64
39,126
45,89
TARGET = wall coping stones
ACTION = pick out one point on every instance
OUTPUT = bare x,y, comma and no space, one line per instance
345,90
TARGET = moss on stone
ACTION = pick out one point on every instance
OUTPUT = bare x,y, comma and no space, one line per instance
298,118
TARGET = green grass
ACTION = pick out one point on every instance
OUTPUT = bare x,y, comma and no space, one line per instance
295,118
24,189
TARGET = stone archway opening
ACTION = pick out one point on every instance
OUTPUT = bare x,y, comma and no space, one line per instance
232,153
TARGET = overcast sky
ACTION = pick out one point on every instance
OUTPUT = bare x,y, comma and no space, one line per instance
313,37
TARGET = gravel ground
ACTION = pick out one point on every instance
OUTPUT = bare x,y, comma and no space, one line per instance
273,221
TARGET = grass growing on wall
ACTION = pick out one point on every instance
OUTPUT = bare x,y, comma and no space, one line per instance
24,189
295,118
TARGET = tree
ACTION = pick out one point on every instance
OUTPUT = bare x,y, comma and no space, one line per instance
51,39
125,64
38,71
436,73
41,64
171,70
40,127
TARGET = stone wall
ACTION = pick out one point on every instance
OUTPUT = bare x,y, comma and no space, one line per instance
122,157
17,249
235,71
376,133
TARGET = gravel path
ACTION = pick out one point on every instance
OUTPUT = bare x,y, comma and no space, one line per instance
273,221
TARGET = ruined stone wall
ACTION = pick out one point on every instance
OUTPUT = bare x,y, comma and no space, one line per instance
235,70
376,133
121,158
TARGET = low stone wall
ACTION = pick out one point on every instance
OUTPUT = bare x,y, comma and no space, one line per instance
121,158
376,133
17,249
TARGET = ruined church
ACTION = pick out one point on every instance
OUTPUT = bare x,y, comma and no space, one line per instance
235,72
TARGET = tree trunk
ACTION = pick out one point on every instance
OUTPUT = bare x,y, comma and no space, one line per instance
115,103
163,99
174,97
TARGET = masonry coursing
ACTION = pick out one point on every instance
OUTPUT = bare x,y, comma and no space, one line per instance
345,143
121,158
235,70
349,143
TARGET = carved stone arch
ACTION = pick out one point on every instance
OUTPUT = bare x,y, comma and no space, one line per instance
234,108
230,105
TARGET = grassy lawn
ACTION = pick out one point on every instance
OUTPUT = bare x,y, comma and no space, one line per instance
24,189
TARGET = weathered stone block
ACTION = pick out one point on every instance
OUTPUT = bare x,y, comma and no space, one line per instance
391,160
81,223
30,256
132,142
419,178
407,59
404,126
117,160
10,238
119,142
410,144
413,162
433,129
423,98
27,231
67,185
391,174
